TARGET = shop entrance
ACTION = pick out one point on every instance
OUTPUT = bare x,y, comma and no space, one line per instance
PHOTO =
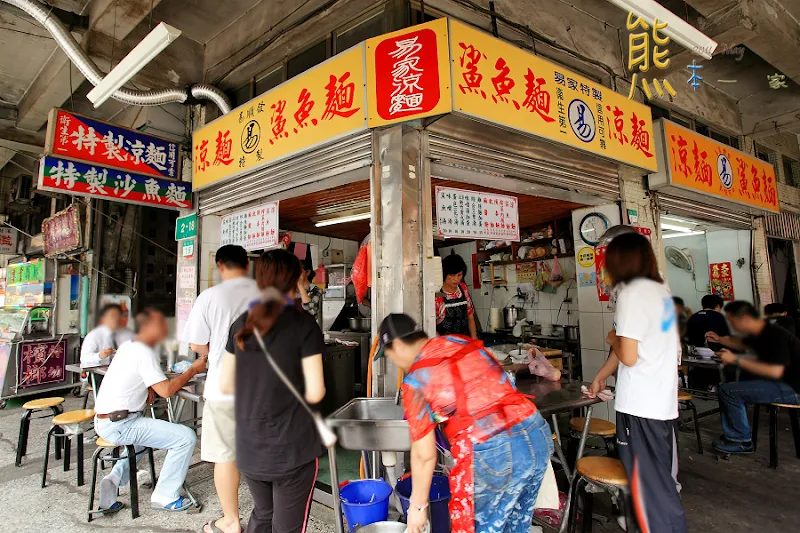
783,261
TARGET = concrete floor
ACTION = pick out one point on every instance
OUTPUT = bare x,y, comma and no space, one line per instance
742,495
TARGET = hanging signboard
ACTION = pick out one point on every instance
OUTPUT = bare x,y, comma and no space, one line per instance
721,280
42,362
85,139
475,215
324,103
80,179
499,82
29,272
698,164
255,228
8,240
62,232
408,74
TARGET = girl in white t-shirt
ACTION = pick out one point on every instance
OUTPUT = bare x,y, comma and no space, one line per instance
644,345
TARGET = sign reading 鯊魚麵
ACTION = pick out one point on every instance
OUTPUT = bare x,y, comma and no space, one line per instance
699,164
408,74
324,103
95,142
81,179
501,83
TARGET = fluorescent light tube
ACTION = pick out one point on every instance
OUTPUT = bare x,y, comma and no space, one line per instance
673,235
673,227
343,220
677,29
676,219
145,51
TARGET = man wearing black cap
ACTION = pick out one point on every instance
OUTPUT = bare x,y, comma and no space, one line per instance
454,381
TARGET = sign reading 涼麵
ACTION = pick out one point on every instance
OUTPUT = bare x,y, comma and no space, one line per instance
408,74
501,83
700,164
324,103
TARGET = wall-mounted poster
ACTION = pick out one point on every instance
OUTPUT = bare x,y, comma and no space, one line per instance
603,280
462,214
721,280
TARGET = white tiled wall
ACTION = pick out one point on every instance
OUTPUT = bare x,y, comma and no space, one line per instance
322,245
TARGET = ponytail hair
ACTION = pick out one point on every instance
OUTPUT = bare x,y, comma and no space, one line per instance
277,273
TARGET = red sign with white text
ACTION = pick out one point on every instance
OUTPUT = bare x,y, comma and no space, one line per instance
721,280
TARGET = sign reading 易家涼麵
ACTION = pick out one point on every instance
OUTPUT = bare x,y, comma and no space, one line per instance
324,103
62,232
255,228
96,142
408,74
499,82
81,179
462,214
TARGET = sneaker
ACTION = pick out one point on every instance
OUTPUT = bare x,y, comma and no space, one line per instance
727,446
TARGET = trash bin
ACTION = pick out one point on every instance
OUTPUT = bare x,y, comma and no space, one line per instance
439,501
365,502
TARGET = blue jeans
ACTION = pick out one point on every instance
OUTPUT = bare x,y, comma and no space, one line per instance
508,471
735,397
177,439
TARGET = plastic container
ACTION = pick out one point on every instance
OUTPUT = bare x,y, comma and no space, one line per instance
439,500
365,502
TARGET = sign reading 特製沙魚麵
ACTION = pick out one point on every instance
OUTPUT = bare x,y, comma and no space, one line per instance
699,164
462,214
325,103
499,82
96,142
81,179
408,74
255,228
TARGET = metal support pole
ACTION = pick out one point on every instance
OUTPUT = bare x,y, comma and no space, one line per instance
337,503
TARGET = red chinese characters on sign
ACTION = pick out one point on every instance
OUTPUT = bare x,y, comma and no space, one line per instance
702,170
303,112
224,148
619,125
339,98
277,121
42,362
640,138
407,75
537,99
721,280
468,61
503,83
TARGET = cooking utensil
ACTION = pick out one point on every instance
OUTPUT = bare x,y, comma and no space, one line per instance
571,332
511,315
558,331
358,323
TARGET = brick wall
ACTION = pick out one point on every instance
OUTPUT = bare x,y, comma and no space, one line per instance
634,193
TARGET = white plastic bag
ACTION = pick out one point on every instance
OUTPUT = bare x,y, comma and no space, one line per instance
548,492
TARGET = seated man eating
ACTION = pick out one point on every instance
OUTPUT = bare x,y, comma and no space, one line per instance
133,372
776,371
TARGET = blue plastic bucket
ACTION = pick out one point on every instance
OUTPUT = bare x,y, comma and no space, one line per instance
439,501
365,502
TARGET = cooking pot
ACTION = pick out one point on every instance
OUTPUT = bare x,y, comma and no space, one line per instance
511,315
571,332
360,323
558,331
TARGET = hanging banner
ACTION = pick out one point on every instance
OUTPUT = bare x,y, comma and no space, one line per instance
499,82
324,103
8,240
80,179
693,162
721,280
255,228
85,139
408,74
602,278
42,362
465,214
62,232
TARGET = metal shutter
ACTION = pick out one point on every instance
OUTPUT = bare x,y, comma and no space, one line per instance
688,208
783,226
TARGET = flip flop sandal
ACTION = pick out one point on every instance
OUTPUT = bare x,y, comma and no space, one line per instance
212,526
181,504
115,508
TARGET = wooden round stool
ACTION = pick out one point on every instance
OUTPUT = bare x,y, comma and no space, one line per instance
597,428
603,472
794,419
71,425
131,455
685,403
54,404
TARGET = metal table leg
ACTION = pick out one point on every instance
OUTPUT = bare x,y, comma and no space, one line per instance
559,451
570,495
337,504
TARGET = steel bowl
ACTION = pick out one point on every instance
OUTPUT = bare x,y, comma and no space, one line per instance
383,527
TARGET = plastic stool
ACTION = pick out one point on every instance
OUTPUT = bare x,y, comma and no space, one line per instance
131,457
31,407
70,418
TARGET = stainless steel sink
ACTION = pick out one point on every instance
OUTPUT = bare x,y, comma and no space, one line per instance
371,424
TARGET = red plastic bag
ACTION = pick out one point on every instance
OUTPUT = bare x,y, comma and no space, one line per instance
555,272
360,273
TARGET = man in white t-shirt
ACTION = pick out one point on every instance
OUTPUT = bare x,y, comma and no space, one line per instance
132,378
206,331
101,343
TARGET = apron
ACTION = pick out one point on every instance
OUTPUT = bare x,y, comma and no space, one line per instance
456,429
456,315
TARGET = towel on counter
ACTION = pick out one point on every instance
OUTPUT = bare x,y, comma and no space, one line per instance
606,395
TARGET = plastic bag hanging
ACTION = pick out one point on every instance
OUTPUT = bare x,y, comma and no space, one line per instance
555,271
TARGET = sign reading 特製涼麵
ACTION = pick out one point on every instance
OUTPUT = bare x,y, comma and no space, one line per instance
462,214
81,179
699,164
81,138
408,74
501,83
324,103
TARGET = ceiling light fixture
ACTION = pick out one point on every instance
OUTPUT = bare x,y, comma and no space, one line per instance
144,52
343,220
677,29
673,227
689,234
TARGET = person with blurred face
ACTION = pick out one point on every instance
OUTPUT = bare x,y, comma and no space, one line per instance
101,343
133,379
776,369
455,313
778,315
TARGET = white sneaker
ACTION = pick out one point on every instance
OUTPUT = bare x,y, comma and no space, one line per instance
621,523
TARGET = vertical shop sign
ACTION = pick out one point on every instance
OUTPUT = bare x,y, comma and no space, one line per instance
475,215
255,228
721,280
42,362
62,232
408,74
8,241
602,277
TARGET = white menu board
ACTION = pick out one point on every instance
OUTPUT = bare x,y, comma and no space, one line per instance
475,215
255,228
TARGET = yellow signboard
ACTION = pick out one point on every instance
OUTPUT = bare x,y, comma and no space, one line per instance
324,103
408,74
501,83
698,163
